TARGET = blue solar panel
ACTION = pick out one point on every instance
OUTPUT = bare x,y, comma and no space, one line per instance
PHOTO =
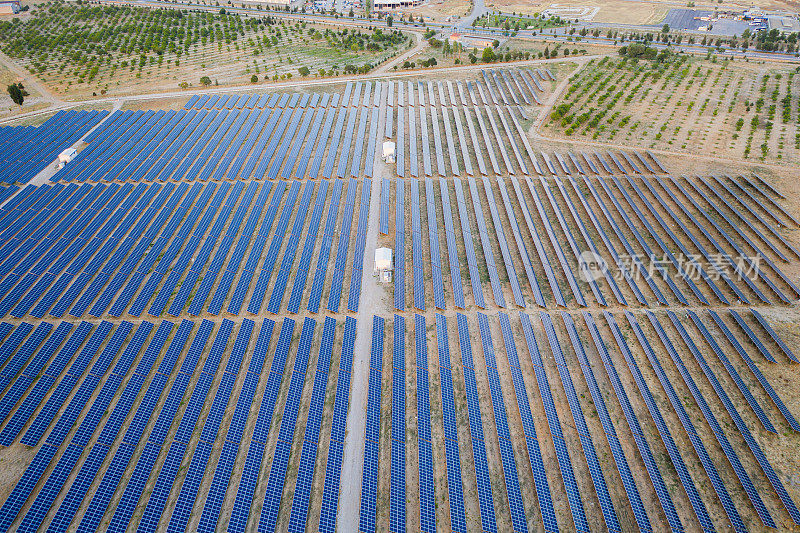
304,266
686,480
773,335
756,371
133,490
324,254
384,214
634,498
666,251
197,467
335,295
454,487
633,423
250,473
400,247
618,232
719,272
751,336
472,263
354,295
272,254
330,495
427,499
747,484
741,426
277,475
433,240
305,475
369,481
486,243
506,451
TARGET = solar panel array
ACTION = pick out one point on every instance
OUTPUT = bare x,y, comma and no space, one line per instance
427,126
427,492
126,249
236,137
27,150
369,480
158,214
638,229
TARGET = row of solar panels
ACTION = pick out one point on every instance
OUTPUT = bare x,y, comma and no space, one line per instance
231,142
477,143
741,267
101,359
225,144
28,150
567,458
510,86
135,248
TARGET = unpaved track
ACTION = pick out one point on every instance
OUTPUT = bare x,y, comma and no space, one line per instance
30,81
371,304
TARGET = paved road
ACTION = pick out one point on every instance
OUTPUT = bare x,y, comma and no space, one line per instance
478,9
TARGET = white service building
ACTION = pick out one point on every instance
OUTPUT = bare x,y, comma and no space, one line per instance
383,264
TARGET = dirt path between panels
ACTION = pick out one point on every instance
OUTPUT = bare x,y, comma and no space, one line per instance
371,304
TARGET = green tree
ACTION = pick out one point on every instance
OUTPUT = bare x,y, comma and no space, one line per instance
495,43
488,55
205,81
665,28
253,79
389,21
304,71
17,93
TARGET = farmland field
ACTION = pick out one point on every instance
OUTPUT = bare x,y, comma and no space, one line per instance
81,50
731,109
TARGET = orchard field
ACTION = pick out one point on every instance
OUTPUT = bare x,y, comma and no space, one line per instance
81,49
733,109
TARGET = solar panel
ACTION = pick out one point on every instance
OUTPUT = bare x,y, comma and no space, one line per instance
304,266
711,239
354,294
718,433
327,241
719,271
688,483
611,222
252,467
741,426
397,486
773,335
487,140
507,455
327,520
345,229
716,481
633,423
198,464
475,145
369,480
756,371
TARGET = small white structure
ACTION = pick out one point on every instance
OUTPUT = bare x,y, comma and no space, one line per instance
67,155
383,264
388,151
9,7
